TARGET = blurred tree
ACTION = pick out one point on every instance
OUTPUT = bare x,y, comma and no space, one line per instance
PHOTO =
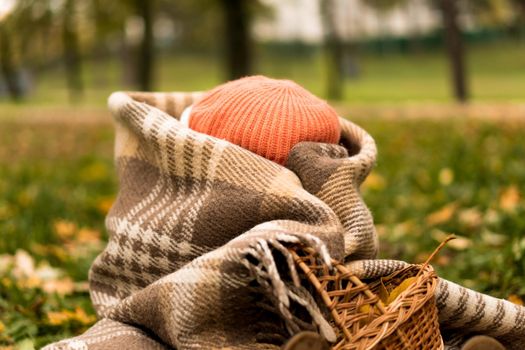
455,50
14,36
195,23
7,64
492,13
146,52
334,51
72,54
382,8
239,42
520,4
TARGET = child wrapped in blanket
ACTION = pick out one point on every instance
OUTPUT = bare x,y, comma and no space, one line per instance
269,117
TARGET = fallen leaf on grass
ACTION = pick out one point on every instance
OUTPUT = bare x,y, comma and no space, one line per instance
513,298
442,215
509,198
470,217
492,217
446,176
57,318
64,229
104,205
53,250
86,235
403,229
493,239
62,286
375,182
459,243
26,344
30,282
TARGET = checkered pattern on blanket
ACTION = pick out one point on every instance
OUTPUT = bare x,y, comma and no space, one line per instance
197,250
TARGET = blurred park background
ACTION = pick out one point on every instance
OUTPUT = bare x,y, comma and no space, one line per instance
439,84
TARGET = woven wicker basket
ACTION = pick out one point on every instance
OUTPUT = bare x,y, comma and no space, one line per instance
361,320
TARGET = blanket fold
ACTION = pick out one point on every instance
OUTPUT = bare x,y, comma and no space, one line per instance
197,254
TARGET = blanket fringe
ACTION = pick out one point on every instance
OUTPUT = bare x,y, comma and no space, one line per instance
280,292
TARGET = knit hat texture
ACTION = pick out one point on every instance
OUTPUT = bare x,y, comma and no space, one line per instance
266,116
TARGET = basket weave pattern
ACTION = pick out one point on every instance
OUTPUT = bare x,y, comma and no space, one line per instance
359,317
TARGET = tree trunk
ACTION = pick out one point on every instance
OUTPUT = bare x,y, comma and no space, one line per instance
456,55
7,65
72,58
334,52
146,55
100,50
238,45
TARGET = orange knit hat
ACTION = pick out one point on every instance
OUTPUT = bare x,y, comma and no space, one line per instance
266,116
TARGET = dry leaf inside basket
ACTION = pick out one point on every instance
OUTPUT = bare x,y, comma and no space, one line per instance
400,289
385,297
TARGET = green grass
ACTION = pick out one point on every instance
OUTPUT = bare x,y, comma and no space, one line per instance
432,178
55,183
496,71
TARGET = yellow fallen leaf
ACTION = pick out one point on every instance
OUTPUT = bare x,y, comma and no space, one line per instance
24,264
470,217
513,298
400,289
446,176
402,229
366,308
104,205
55,251
62,286
59,252
375,182
383,292
6,282
492,217
509,198
86,235
81,316
57,318
2,327
31,282
492,238
442,215
460,243
64,229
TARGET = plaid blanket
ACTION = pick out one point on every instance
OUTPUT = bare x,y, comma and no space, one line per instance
197,253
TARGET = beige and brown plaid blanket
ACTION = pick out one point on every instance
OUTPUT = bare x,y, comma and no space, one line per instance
197,253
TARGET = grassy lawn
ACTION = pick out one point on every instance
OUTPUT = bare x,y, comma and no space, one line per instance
433,177
497,73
